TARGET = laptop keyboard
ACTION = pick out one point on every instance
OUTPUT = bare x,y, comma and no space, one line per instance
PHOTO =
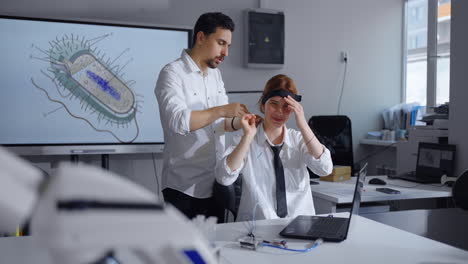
326,225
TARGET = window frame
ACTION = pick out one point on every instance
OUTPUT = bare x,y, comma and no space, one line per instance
431,55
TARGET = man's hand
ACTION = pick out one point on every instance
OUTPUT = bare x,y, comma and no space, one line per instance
233,109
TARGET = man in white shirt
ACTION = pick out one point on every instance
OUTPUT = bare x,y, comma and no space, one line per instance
195,114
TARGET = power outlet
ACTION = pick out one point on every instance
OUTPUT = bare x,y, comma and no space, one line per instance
344,56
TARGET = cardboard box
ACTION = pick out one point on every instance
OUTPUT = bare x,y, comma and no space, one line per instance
339,173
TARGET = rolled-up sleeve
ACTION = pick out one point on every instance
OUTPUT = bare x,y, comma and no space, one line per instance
224,175
172,103
322,166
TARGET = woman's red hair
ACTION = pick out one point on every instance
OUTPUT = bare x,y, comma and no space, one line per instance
278,82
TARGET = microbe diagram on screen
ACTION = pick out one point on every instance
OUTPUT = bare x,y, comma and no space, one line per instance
89,85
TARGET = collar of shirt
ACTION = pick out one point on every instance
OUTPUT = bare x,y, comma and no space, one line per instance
263,139
190,65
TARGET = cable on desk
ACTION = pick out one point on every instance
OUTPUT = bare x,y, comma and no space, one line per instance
251,225
158,187
316,244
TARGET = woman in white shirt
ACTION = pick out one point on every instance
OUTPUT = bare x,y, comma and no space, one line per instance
252,155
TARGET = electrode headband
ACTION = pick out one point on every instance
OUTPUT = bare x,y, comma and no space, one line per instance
282,93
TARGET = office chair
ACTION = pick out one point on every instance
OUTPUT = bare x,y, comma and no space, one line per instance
334,132
228,198
459,191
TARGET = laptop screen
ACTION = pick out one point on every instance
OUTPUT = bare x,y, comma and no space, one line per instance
358,189
357,194
313,227
435,160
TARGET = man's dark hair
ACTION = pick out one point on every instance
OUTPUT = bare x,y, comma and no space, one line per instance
208,22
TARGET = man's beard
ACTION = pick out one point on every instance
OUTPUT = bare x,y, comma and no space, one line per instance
212,64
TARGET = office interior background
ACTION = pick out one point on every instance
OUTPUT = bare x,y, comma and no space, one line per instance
316,33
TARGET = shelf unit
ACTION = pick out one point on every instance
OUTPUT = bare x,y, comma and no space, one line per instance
378,142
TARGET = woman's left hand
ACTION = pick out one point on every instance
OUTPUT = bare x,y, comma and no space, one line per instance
296,107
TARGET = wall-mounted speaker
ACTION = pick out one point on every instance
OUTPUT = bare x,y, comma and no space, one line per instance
264,38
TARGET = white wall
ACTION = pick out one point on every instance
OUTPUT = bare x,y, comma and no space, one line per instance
458,121
370,31
316,32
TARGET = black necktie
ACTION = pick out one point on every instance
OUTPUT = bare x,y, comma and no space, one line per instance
281,206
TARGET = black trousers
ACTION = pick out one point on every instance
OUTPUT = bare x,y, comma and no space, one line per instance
191,206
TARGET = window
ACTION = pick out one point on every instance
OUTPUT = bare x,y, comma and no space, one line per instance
427,56
443,51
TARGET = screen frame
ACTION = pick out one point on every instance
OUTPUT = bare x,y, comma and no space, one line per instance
93,148
436,172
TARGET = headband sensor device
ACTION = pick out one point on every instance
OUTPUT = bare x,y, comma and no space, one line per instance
282,93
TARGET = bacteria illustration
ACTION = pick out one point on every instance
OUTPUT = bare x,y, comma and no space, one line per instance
89,85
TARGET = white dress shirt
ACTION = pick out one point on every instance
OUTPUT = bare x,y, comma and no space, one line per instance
258,175
190,157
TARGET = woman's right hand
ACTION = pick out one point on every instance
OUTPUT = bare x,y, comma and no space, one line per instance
249,125
234,160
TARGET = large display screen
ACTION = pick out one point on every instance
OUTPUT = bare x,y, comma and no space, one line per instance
65,82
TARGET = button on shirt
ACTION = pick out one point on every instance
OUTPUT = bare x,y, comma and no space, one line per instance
258,175
190,157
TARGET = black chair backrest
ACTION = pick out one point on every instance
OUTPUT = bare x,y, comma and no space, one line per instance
228,197
334,132
460,191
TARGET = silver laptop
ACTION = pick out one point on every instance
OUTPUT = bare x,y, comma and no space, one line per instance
328,228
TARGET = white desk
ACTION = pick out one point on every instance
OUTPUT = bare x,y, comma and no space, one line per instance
368,242
446,225
16,250
327,195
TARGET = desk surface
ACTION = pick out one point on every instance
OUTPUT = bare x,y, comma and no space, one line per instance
368,242
16,250
446,225
342,192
